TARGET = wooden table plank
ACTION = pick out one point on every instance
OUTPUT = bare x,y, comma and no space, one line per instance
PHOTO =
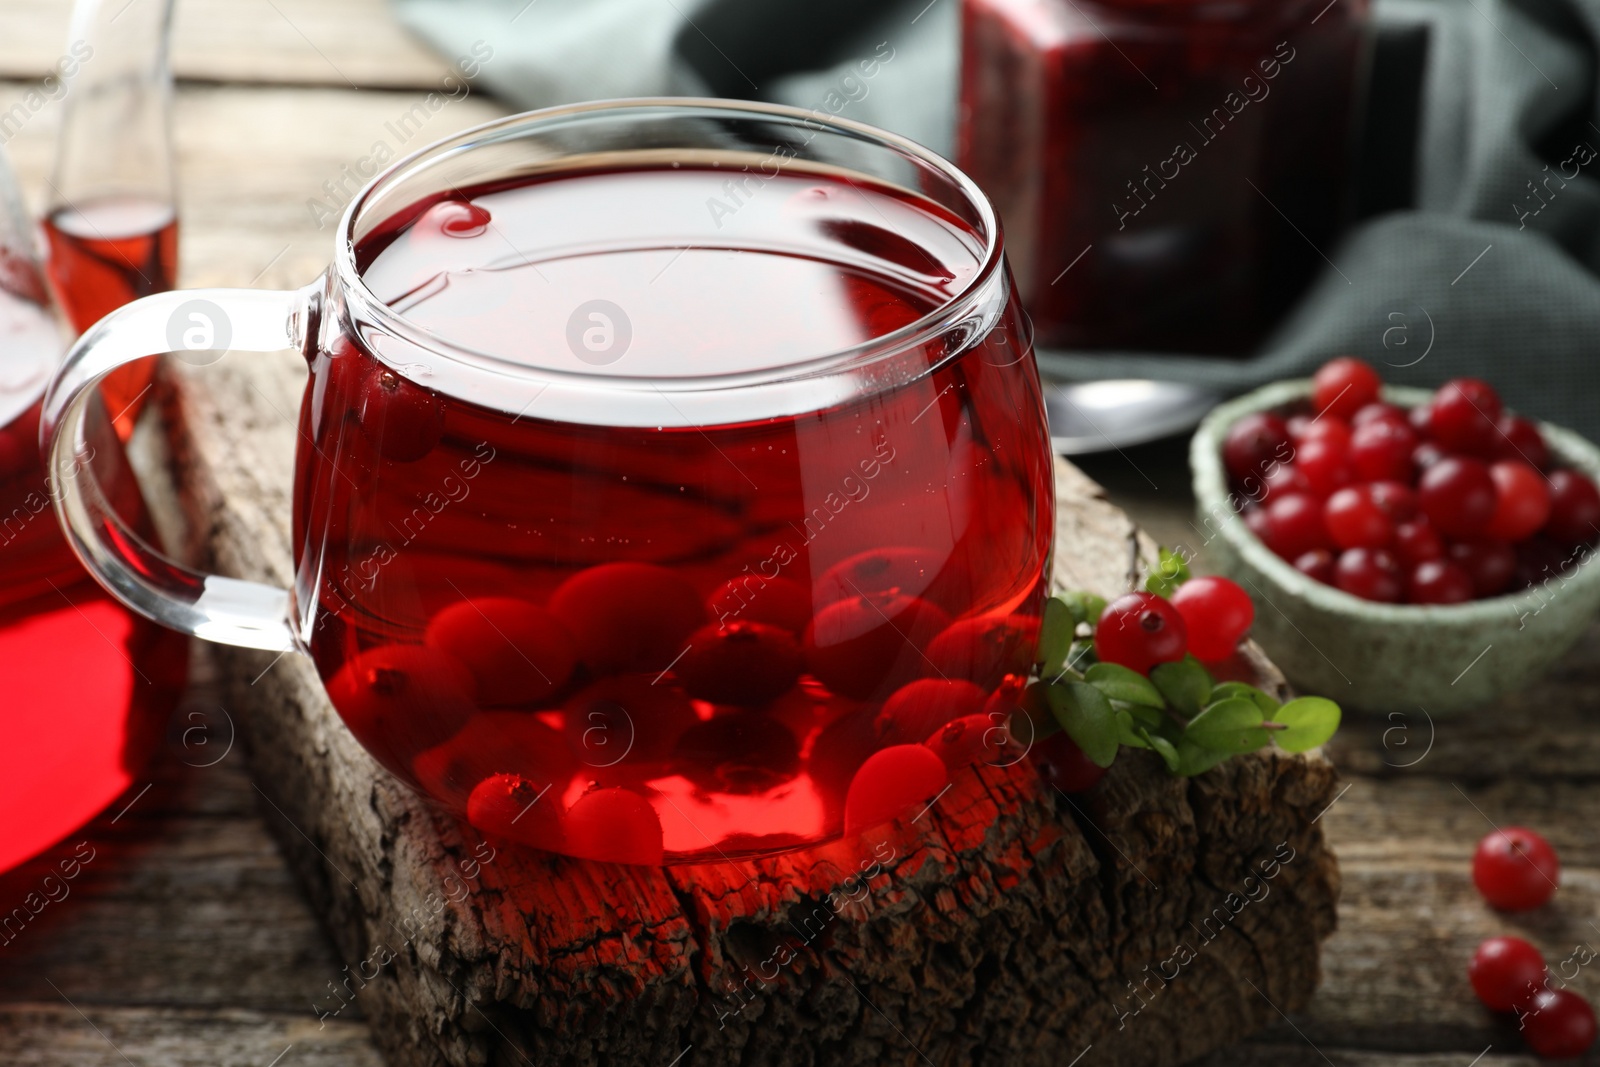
345,43
183,939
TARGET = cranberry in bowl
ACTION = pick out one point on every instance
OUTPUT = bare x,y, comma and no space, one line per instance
1404,555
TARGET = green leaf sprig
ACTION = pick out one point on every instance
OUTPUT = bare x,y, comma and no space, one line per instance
1179,712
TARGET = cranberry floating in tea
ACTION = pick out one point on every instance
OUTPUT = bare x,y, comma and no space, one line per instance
112,225
1169,172
684,502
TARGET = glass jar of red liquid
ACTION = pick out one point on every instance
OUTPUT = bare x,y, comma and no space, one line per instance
1170,173
86,685
674,481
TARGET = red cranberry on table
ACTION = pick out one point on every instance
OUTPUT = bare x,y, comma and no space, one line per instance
1506,972
1140,630
1515,869
1558,1024
1216,615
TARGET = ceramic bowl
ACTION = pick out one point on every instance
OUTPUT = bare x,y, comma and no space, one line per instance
1387,657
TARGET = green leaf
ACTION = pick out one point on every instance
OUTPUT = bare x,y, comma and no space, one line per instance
1129,732
1080,657
1171,571
1088,718
1185,684
1120,683
1086,607
1056,632
1193,760
1309,722
1035,707
1165,749
1228,726
1229,690
1144,716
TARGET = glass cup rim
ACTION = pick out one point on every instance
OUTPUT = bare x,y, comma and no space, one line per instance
366,306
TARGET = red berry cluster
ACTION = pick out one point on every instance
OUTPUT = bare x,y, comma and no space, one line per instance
1516,870
1206,616
1454,500
566,724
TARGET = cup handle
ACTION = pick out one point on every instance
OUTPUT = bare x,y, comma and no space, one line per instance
226,610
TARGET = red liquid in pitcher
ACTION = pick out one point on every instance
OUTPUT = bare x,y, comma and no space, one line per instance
689,639
88,686
106,253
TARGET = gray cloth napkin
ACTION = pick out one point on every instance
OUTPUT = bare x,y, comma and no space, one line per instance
1478,242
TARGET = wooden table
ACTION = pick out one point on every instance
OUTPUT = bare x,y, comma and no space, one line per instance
186,942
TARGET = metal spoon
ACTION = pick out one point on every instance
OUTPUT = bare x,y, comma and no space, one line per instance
1099,416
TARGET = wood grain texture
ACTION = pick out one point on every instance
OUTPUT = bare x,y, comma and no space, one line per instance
183,939
349,44
1004,925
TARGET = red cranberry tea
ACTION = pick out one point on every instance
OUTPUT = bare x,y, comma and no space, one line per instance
88,684
103,254
677,637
